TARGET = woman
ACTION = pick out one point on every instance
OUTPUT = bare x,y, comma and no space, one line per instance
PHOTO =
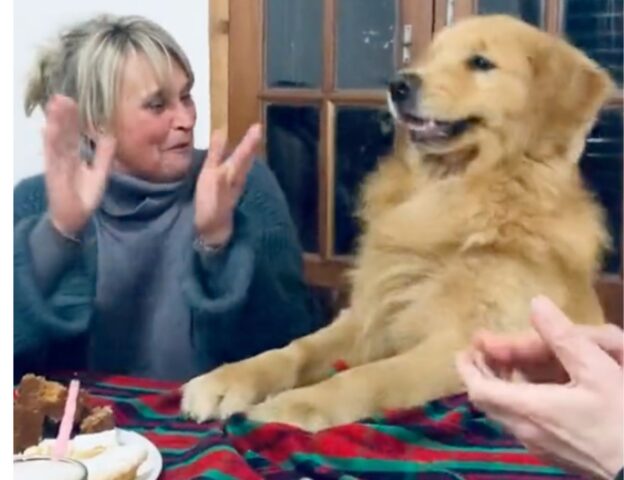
138,254
570,410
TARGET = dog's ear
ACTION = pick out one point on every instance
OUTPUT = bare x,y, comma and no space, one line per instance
569,89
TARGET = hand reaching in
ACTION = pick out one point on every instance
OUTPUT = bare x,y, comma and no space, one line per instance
576,424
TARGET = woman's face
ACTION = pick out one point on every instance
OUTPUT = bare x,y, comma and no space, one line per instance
154,128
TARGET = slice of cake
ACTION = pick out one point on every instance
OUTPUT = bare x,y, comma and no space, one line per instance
100,419
27,427
38,409
37,392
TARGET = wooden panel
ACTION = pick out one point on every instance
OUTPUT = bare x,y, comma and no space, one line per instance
326,273
420,15
552,16
327,162
442,16
609,289
346,97
245,75
218,33
326,159
364,98
464,8
439,15
295,95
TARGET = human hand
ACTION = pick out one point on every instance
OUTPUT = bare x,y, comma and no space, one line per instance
220,185
74,187
529,355
577,425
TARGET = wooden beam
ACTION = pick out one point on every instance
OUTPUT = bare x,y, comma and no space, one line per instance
326,172
553,10
306,96
218,33
421,17
609,288
464,8
439,15
245,75
325,273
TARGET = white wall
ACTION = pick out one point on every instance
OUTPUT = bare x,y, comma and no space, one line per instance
35,21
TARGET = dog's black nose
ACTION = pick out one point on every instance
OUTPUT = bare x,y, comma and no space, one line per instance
403,86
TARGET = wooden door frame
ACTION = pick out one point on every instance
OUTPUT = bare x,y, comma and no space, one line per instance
234,27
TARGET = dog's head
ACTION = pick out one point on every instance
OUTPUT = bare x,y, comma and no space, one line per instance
495,82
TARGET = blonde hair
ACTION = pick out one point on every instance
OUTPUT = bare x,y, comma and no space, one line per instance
85,63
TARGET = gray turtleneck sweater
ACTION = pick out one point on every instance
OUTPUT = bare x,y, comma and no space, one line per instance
133,296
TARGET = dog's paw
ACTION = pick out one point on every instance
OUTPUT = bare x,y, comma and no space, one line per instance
298,409
219,394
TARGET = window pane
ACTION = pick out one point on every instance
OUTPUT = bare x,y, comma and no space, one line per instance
362,136
602,168
294,43
292,152
596,27
528,10
366,42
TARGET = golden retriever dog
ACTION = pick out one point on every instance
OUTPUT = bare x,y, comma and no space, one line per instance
480,208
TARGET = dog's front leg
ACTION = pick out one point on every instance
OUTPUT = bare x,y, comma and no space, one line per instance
407,380
235,387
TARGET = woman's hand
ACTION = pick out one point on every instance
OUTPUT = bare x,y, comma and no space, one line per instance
577,424
220,185
530,355
74,187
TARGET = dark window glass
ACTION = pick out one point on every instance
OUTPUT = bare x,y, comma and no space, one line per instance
294,43
528,10
292,135
366,43
363,135
601,165
595,26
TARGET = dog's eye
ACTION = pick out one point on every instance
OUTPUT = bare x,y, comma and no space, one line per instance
479,62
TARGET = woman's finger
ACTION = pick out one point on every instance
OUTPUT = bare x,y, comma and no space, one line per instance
579,355
243,156
216,150
490,392
609,337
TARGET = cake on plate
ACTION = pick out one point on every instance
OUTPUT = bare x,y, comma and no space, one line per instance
38,407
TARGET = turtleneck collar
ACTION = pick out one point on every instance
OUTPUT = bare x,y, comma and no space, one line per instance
137,199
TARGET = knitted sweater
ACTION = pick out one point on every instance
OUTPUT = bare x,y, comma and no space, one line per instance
252,298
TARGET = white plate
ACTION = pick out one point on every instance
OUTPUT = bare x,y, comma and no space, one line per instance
152,466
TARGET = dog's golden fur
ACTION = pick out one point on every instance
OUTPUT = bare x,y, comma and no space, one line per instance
458,236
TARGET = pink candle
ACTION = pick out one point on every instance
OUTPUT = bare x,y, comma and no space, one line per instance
62,440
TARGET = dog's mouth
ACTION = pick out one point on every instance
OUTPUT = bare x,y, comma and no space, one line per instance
431,130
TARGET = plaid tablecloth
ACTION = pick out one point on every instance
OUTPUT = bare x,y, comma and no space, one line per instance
446,439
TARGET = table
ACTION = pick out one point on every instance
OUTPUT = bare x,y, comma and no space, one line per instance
446,439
